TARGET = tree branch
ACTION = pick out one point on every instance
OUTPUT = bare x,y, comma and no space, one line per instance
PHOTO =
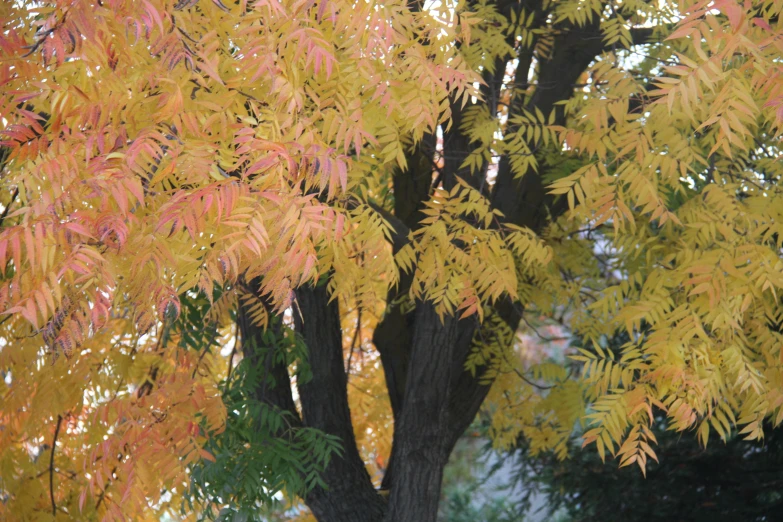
356,335
7,208
392,335
324,401
400,230
51,464
274,388
420,429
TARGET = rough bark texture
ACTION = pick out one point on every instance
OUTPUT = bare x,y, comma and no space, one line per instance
433,398
419,432
350,496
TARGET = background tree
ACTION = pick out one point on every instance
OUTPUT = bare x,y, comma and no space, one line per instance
736,480
277,166
739,480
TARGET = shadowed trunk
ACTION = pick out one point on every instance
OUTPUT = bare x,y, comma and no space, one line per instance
350,496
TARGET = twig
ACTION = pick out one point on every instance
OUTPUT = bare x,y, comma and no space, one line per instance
363,391
231,357
8,206
204,352
51,465
356,335
541,336
40,41
102,496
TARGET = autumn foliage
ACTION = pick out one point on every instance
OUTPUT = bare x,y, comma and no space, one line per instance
191,184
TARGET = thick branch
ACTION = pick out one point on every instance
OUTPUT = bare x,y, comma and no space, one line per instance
412,186
350,496
392,334
440,399
274,386
469,392
400,230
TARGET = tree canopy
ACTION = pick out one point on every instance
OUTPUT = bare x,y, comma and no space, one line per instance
279,249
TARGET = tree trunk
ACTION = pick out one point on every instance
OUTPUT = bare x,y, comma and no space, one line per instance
433,398
422,426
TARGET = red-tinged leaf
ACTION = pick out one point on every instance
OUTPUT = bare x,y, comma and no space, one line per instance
40,300
29,313
239,224
82,499
342,170
763,24
134,187
271,196
29,246
263,164
79,229
339,227
207,455
210,68
13,310
309,264
732,10
681,32
23,97
154,15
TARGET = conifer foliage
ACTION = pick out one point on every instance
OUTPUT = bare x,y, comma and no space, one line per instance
264,248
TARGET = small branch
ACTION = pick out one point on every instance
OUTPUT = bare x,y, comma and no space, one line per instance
51,465
41,39
541,336
437,180
231,357
362,390
204,352
399,229
102,496
531,383
8,206
356,335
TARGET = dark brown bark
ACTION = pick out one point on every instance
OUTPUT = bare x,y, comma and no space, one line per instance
441,398
523,198
421,428
392,335
350,496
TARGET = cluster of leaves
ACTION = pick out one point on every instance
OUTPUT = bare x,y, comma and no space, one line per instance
158,149
673,237
259,458
127,434
460,262
736,480
198,186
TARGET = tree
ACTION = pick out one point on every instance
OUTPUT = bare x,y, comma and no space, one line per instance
735,480
739,480
277,164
